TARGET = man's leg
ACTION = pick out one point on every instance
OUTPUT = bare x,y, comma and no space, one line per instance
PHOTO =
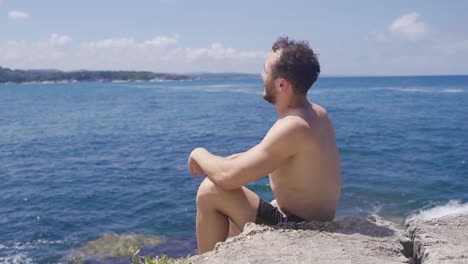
216,206
233,230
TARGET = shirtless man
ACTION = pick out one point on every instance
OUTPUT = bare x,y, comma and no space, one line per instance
299,153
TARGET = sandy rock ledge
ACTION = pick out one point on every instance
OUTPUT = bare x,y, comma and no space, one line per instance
347,240
439,240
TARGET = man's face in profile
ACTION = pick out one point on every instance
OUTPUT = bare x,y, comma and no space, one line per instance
269,91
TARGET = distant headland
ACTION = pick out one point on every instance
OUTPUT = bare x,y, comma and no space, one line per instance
54,76
25,76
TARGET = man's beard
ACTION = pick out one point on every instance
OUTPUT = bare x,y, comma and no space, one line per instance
269,95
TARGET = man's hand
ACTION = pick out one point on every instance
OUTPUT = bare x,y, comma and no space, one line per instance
193,165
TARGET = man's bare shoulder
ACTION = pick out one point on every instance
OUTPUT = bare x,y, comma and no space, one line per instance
285,135
292,124
319,110
303,120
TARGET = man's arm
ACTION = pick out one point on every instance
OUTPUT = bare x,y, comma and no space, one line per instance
281,142
234,156
196,169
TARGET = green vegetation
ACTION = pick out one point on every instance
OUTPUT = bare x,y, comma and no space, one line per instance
163,259
112,245
109,246
21,76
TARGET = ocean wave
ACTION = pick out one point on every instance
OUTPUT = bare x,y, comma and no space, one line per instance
453,90
18,258
32,245
18,252
419,90
211,88
244,91
218,89
231,85
452,207
144,86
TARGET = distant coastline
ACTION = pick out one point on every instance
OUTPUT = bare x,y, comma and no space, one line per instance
56,76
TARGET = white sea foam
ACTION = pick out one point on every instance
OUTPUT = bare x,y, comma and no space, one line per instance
231,85
18,246
453,90
244,91
452,207
17,253
145,86
23,246
419,90
232,88
16,259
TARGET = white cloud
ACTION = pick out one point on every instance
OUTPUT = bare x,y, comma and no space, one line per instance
56,40
123,43
160,41
12,50
120,43
15,15
408,27
438,55
115,43
161,54
216,51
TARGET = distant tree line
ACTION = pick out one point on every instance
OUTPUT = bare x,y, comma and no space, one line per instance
20,76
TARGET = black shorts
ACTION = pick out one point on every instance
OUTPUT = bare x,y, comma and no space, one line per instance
267,214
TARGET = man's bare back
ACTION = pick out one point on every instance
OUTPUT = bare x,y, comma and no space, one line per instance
308,184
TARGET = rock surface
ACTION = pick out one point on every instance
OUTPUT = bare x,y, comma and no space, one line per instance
439,240
347,240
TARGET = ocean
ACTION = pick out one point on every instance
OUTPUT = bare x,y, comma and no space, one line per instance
87,169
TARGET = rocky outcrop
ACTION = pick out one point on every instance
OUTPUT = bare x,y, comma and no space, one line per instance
347,240
439,240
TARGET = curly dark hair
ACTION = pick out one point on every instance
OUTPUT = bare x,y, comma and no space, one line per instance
297,63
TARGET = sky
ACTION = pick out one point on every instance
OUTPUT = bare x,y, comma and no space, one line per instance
356,38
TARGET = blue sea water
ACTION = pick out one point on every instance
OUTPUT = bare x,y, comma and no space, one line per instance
81,160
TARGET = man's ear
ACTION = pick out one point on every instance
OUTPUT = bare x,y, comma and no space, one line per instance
284,85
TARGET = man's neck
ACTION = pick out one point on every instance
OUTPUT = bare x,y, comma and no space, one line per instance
294,103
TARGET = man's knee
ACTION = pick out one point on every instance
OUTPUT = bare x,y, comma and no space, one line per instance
206,191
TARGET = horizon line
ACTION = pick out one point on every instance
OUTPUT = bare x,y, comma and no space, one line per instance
247,73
